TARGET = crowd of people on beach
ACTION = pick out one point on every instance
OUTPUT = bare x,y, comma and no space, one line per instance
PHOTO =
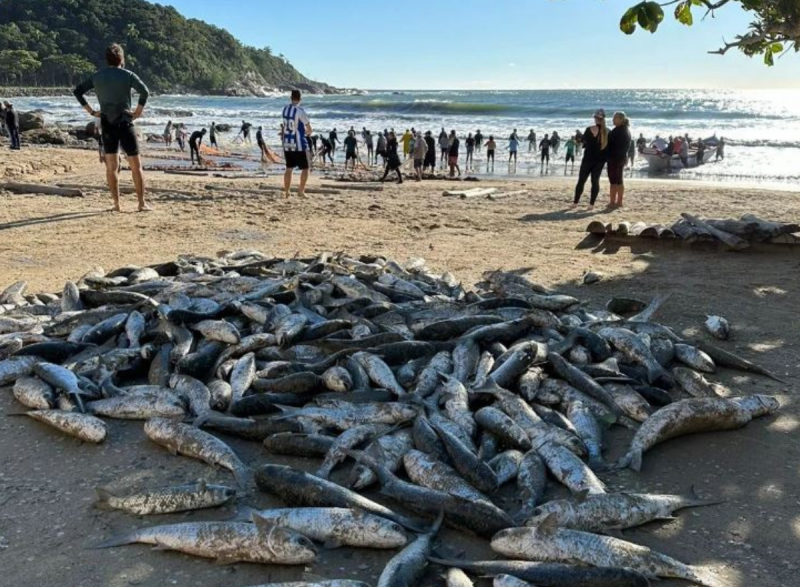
599,147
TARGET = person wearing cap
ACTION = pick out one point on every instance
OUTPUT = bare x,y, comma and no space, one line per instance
12,124
595,152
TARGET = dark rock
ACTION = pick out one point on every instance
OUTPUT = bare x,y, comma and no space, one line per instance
45,136
223,127
31,120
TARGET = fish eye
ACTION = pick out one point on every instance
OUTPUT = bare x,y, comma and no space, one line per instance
396,527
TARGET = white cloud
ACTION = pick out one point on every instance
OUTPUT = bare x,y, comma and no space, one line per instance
512,64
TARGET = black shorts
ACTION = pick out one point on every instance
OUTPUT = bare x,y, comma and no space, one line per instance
261,145
545,156
490,154
418,163
121,133
570,157
616,172
381,152
298,159
349,156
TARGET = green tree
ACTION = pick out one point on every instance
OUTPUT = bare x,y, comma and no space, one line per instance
66,68
16,64
774,30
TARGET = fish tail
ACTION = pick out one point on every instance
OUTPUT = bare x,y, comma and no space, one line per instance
244,476
632,460
118,540
201,419
288,412
103,498
692,500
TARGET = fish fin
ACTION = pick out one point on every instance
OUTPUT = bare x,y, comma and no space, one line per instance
581,496
692,500
201,419
332,543
263,525
635,460
103,497
244,476
437,523
288,412
173,451
118,540
548,525
245,514
158,546
226,560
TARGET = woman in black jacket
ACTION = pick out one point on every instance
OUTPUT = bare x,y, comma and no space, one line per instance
595,150
619,141
392,158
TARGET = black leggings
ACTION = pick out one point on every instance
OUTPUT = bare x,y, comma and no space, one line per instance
591,169
390,168
195,153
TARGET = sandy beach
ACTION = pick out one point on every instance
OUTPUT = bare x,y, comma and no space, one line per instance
46,481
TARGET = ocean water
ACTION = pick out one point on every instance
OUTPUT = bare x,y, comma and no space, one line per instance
761,127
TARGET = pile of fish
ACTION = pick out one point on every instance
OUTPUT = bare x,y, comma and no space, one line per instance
434,396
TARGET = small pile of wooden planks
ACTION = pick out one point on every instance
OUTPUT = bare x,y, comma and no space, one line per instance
735,234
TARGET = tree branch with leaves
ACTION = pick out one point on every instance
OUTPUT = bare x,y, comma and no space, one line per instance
774,30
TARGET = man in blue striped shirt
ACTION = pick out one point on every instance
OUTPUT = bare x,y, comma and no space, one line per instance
296,130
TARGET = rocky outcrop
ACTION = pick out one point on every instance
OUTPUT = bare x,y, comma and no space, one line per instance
46,136
31,120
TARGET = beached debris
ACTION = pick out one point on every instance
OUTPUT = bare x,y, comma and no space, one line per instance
734,234
438,395
36,188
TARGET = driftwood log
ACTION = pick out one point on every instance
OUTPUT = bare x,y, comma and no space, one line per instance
729,239
37,188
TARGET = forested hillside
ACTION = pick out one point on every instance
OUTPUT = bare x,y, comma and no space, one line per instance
56,42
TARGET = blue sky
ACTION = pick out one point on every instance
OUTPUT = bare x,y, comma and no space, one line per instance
492,44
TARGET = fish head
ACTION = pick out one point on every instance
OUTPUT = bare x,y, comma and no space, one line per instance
387,534
759,404
511,541
284,544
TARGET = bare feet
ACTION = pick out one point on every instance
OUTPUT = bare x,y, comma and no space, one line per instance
573,206
286,194
145,208
591,207
116,208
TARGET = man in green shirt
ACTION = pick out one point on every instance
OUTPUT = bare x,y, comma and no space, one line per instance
113,86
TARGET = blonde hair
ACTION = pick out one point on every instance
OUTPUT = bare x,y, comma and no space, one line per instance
603,134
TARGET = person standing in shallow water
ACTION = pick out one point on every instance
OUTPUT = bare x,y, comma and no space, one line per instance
113,86
619,142
195,141
595,151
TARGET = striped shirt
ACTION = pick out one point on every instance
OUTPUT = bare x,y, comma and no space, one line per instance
295,121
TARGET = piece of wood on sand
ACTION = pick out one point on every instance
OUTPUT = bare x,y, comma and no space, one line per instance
474,192
733,241
766,229
651,231
596,227
494,197
189,172
690,233
355,186
309,190
637,228
37,188
624,228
